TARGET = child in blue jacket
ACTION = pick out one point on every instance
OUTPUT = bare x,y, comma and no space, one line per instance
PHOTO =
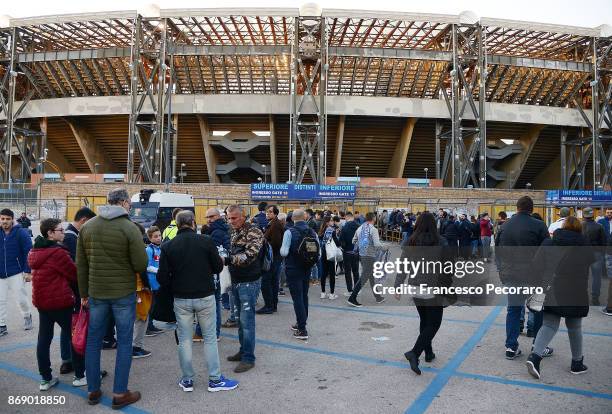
153,253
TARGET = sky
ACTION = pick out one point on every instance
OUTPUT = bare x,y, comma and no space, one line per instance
585,13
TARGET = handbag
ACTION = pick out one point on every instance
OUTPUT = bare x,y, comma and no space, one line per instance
535,302
163,306
80,324
225,279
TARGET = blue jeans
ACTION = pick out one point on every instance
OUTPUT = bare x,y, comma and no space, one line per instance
297,280
516,306
314,273
124,311
245,298
204,309
198,329
486,246
596,272
66,345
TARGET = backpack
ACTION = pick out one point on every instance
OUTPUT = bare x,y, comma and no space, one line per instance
363,240
266,256
308,250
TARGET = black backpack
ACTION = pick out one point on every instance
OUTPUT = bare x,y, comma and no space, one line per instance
308,250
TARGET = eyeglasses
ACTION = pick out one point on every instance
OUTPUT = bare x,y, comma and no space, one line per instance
60,230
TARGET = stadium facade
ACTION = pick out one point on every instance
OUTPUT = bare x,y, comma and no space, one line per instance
233,95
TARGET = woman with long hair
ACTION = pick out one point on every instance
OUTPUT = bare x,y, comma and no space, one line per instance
327,233
567,256
426,243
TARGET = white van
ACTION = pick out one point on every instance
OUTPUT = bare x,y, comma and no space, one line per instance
155,208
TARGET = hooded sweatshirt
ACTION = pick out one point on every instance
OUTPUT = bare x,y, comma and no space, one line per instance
14,249
109,254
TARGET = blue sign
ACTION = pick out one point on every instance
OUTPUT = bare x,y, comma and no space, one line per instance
263,191
575,197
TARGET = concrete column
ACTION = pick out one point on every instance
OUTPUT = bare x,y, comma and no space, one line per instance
209,153
339,142
175,119
396,168
55,159
91,149
517,163
273,163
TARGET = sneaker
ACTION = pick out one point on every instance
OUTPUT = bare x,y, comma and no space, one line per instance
332,296
66,368
294,327
347,294
3,330
244,367
429,356
354,303
264,311
578,367
47,385
605,311
224,384
27,322
323,295
381,299
548,351
140,353
79,382
109,344
414,362
154,331
197,338
533,365
303,335
186,385
229,324
511,353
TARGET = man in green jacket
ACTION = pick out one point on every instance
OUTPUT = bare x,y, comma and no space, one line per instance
109,254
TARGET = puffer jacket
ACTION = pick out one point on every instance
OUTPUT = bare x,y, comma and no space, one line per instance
109,254
53,273
219,231
14,249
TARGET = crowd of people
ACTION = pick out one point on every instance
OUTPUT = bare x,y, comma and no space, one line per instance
99,263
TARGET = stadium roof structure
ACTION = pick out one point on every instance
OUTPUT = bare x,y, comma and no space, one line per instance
198,55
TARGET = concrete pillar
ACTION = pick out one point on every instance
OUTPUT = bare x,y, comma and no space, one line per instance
339,142
209,153
273,163
91,148
396,168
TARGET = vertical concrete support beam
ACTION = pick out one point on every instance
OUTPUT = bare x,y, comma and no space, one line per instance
339,142
209,153
91,149
396,168
273,163
549,177
517,163
57,161
175,119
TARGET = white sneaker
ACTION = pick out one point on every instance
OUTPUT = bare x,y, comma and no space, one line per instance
323,295
79,382
47,385
348,294
332,296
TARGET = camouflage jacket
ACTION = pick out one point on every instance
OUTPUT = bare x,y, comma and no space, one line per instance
247,242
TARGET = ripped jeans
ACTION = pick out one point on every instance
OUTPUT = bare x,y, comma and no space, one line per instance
245,298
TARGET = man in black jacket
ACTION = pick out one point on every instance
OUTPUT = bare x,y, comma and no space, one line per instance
596,236
350,258
518,244
187,265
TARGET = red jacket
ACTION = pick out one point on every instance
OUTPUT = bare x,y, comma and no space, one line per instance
485,228
53,271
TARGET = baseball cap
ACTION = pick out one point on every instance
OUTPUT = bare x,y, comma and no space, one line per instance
564,212
587,212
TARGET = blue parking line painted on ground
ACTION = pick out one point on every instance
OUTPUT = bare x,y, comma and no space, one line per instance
565,390
425,399
339,355
17,347
106,401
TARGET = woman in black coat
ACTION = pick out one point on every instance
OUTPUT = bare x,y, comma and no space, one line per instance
425,243
568,257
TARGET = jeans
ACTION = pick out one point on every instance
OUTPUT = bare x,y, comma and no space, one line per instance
516,304
367,268
351,269
486,246
245,297
405,237
474,244
270,285
124,311
47,321
314,273
430,321
204,310
596,271
225,301
65,345
297,280
17,286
